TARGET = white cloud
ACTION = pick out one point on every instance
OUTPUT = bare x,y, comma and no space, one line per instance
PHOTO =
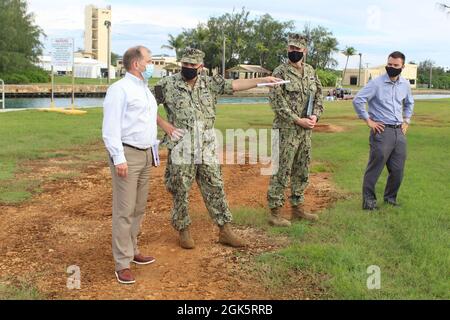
415,27
69,15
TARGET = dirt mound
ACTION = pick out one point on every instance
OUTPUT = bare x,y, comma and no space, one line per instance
70,224
328,128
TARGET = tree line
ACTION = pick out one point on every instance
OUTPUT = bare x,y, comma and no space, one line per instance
20,44
440,78
261,41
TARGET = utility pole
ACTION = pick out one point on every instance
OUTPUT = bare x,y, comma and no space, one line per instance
431,75
223,58
108,26
360,66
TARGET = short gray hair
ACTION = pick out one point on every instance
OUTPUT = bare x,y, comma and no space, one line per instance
133,54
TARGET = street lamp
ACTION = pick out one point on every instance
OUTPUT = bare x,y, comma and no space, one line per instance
108,26
360,66
430,85
223,54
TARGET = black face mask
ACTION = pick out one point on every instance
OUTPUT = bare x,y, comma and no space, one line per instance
295,56
393,72
189,73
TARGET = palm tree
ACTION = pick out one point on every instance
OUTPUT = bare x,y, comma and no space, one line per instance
444,7
348,52
175,43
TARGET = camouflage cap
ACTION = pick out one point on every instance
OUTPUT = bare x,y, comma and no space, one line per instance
191,55
298,41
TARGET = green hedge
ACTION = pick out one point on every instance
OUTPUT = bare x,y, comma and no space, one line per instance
33,75
327,78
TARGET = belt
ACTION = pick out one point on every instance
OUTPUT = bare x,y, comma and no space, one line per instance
155,155
135,148
393,126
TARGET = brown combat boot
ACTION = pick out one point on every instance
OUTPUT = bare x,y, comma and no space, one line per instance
298,212
277,220
229,238
186,241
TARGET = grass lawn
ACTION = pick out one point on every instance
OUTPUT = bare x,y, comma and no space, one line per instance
410,244
19,290
38,135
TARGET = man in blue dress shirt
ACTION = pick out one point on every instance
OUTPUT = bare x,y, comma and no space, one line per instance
391,107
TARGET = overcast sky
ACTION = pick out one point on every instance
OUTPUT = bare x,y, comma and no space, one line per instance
374,28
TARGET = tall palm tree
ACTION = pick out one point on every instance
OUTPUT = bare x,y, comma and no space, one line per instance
348,52
175,43
444,7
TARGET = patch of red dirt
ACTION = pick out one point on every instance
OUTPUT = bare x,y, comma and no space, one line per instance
70,224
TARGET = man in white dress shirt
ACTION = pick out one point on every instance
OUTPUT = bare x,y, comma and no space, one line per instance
130,133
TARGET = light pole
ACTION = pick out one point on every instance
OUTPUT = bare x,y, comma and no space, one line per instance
223,58
359,77
3,93
108,26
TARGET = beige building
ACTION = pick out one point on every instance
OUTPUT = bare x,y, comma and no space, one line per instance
164,66
96,32
247,71
352,75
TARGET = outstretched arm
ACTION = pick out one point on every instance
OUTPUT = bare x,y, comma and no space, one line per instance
245,84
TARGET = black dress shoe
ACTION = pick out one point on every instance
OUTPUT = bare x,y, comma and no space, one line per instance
370,205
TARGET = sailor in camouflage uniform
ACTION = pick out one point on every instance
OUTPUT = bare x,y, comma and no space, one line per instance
189,99
290,104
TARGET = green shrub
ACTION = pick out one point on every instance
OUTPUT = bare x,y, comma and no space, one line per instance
14,78
37,75
327,78
32,75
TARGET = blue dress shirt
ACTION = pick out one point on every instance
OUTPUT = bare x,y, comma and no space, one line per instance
390,102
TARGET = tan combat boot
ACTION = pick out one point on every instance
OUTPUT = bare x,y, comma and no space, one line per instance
298,212
186,241
277,220
229,238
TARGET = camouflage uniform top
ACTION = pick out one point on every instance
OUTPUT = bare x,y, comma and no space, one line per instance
188,107
290,101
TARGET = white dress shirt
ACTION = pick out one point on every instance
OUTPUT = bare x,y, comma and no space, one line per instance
129,116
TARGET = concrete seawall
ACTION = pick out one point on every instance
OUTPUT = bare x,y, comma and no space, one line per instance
61,91
45,90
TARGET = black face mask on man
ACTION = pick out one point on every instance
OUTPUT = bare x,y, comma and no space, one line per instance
393,72
189,73
295,56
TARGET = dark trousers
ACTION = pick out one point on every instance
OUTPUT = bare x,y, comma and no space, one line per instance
386,149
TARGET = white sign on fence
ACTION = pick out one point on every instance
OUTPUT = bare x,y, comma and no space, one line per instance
62,52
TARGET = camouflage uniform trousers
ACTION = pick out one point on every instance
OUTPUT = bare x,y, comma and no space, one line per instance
294,160
179,179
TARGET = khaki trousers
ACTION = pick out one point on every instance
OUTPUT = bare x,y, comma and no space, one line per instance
130,196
